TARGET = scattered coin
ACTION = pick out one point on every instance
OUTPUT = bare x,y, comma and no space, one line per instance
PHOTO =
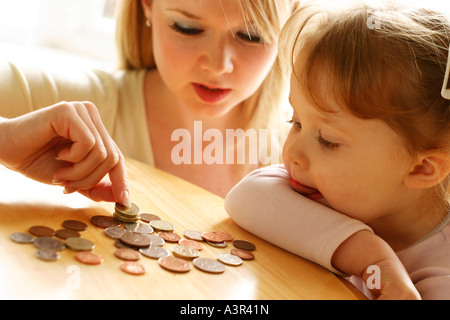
49,243
209,265
67,233
80,244
155,240
193,235
21,237
154,252
185,252
132,267
229,259
89,257
174,264
222,244
105,221
213,237
162,225
225,235
138,240
75,225
42,231
169,236
138,227
147,217
115,232
243,254
127,254
191,243
242,244
48,254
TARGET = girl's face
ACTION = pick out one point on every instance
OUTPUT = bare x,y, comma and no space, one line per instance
207,54
355,166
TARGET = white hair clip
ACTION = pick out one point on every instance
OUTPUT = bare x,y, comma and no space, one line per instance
446,85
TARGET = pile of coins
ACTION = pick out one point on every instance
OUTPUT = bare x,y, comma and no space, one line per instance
138,234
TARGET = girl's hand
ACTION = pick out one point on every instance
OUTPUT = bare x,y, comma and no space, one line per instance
66,144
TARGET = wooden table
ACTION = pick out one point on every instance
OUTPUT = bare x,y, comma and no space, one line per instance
273,274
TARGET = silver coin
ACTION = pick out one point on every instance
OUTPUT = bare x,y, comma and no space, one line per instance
48,254
229,259
162,225
79,244
155,240
115,232
138,227
185,252
222,244
154,252
21,237
209,265
193,235
49,243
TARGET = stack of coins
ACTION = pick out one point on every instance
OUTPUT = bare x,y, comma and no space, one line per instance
125,214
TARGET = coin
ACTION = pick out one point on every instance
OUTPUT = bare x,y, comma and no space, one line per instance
48,254
243,254
154,252
75,225
222,244
138,227
191,243
162,225
209,265
127,254
67,233
185,252
89,257
147,217
242,244
174,264
135,239
42,231
21,237
169,236
105,221
225,235
49,243
213,237
155,240
132,267
79,244
125,214
124,218
229,259
115,232
193,235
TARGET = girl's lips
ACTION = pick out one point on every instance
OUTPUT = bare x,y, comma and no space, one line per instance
210,94
308,192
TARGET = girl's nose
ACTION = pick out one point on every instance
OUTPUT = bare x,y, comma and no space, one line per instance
218,57
295,151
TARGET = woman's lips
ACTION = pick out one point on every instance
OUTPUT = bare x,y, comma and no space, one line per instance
210,94
308,192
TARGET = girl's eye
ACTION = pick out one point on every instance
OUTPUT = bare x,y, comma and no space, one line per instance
249,38
327,144
185,30
297,124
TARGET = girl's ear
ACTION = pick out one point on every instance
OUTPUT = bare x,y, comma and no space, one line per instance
429,170
147,7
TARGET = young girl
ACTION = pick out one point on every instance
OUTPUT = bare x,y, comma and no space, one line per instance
370,139
180,62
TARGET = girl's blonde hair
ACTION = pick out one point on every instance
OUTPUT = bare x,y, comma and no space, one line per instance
386,62
262,109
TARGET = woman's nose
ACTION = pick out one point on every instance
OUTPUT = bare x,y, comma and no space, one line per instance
218,57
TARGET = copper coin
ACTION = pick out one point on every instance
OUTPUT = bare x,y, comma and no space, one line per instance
75,225
48,254
127,254
67,233
191,243
169,236
213,237
225,235
89,257
243,254
49,243
138,240
105,221
242,244
42,231
147,217
174,264
131,267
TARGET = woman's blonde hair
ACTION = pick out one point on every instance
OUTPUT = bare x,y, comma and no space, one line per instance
386,62
262,109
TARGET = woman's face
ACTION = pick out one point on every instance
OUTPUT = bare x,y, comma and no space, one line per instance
207,53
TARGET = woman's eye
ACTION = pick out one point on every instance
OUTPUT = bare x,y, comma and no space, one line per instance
328,144
249,37
297,124
186,30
